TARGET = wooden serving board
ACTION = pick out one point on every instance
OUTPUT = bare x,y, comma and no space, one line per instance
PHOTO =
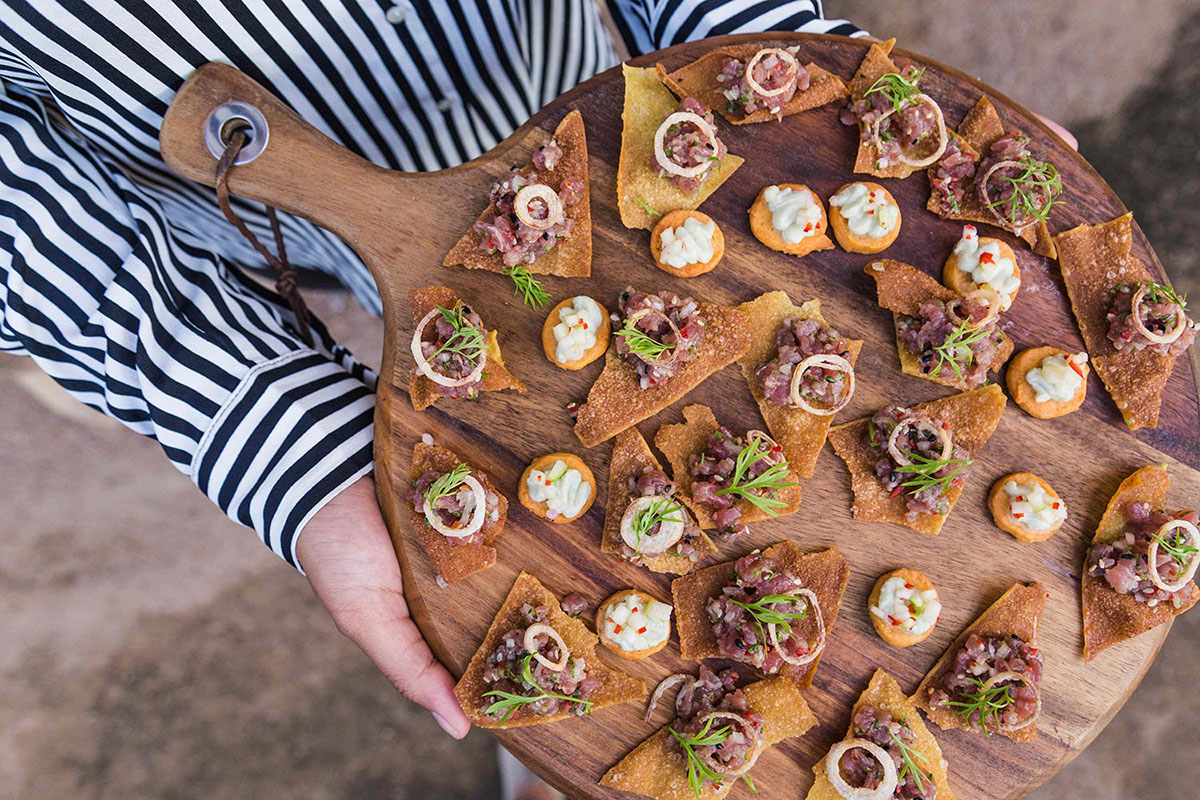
403,224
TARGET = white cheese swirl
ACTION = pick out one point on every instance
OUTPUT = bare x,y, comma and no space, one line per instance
637,622
903,606
868,212
689,243
796,214
986,266
561,488
575,333
1055,378
1034,507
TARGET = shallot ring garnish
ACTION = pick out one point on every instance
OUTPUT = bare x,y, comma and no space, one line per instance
789,77
1001,677
918,422
943,136
984,197
994,301
1158,338
774,452
833,770
1152,555
478,513
669,531
748,764
663,687
672,352
826,361
531,646
538,191
667,165
817,648
426,369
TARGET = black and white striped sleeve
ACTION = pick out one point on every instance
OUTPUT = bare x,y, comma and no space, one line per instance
167,337
648,25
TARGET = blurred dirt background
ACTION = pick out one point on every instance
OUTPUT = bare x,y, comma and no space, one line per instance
149,648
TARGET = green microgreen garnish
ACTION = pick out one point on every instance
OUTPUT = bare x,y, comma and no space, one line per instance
1160,293
897,88
510,703
658,511
1034,191
924,471
643,345
698,772
908,765
646,207
467,339
757,490
763,614
957,344
446,484
987,702
1177,548
528,288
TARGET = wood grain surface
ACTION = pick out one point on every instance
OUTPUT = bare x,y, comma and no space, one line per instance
403,224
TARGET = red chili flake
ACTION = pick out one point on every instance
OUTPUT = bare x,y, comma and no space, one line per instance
585,326
808,227
987,258
1020,499
617,629
634,610
908,586
1078,369
893,620
896,492
1017,516
1055,506
872,211
641,630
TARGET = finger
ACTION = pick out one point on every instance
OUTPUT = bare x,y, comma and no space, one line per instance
1062,132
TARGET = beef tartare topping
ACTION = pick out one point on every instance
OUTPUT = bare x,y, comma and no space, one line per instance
1154,560
1014,186
904,124
733,468
531,673
530,215
658,333
455,504
715,728
655,523
686,146
917,459
765,617
453,351
1161,323
991,683
811,368
957,340
950,175
768,81
864,769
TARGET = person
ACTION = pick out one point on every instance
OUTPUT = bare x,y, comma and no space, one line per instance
124,282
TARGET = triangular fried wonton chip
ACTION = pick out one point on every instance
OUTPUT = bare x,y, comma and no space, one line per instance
901,289
642,195
1108,617
615,686
800,433
656,768
971,418
616,400
699,80
452,561
825,572
424,392
979,129
884,693
875,64
679,442
1095,260
570,257
1016,613
631,457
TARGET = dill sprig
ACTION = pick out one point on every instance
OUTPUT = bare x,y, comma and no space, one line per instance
1034,191
658,511
467,339
1176,548
958,343
924,471
908,765
897,88
987,702
763,614
1161,292
646,207
531,291
642,344
446,484
510,703
757,490
698,772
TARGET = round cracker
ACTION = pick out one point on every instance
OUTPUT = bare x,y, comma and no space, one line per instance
544,463
1002,512
550,344
850,241
890,633
764,231
1026,397
673,219
961,282
631,655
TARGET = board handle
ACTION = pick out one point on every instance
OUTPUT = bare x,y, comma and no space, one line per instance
287,163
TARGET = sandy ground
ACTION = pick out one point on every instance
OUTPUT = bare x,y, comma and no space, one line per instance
153,649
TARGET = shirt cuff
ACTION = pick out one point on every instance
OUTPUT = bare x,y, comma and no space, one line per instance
296,431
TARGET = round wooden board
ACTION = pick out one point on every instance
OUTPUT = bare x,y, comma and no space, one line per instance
403,224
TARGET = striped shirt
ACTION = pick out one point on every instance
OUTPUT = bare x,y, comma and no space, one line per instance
122,280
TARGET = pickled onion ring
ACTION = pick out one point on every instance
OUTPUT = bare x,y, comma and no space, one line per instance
827,361
789,76
1152,555
1157,338
943,136
426,369
667,165
538,191
478,513
833,770
918,422
531,646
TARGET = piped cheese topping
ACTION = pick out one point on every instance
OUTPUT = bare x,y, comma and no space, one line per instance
575,333
868,212
986,266
903,606
795,214
561,488
1034,507
1057,378
637,622
689,243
